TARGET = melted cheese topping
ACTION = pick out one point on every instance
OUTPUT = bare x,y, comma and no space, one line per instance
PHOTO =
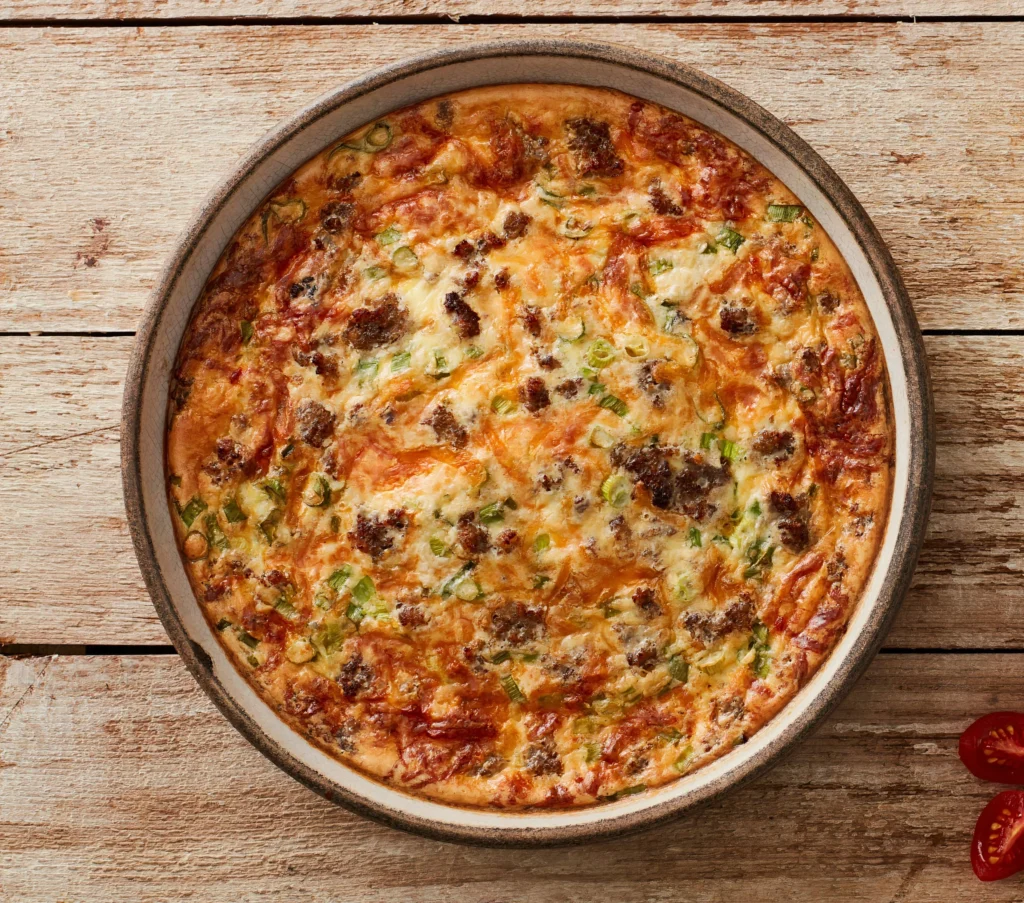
529,447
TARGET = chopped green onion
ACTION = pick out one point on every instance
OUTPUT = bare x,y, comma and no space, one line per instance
730,238
364,590
214,533
625,791
539,580
318,491
694,536
500,657
274,488
636,347
375,272
542,542
389,236
194,507
367,368
586,191
248,639
441,365
449,585
174,480
600,354
196,546
372,141
806,394
511,688
492,514
709,247
328,638
615,490
223,624
335,523
759,558
574,335
468,590
287,450
593,752
289,210
355,612
638,289
615,405
245,328
405,258
268,527
678,668
550,198
502,405
596,388
657,267
706,440
575,229
473,352
601,438
783,213
684,759
728,449
438,547
285,608
340,577
755,508
716,420
233,513
401,361
815,253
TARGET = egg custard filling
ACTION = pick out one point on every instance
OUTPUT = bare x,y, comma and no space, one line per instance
529,447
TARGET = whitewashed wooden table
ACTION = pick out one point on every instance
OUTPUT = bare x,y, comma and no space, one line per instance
118,779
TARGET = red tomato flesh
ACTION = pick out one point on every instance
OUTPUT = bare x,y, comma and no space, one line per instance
997,850
993,748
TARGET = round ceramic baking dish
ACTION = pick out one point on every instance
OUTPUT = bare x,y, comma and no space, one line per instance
674,86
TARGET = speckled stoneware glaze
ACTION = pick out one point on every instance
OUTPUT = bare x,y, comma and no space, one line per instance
674,86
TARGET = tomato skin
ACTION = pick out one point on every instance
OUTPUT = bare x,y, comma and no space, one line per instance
993,748
999,836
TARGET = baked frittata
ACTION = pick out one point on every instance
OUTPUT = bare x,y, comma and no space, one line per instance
529,447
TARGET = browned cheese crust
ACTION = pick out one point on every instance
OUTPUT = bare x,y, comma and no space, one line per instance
529,447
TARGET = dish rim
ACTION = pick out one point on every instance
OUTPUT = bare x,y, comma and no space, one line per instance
912,516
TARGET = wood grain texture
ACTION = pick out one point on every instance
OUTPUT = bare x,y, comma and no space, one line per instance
70,575
120,782
20,10
110,137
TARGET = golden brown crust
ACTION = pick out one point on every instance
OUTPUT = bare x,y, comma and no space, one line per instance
530,447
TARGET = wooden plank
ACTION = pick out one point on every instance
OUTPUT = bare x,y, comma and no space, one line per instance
120,782
36,10
111,136
70,574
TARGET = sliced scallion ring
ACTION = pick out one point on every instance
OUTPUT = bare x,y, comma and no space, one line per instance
715,417
575,333
576,229
636,347
289,210
600,354
196,546
601,438
372,141
615,490
318,491
502,405
405,258
468,590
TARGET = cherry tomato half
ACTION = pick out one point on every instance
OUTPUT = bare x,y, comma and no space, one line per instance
993,748
997,850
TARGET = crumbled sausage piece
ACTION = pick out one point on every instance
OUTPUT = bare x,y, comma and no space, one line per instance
344,184
591,144
695,482
783,502
447,428
371,327
502,280
516,224
569,388
548,482
411,615
653,381
541,760
642,655
489,242
774,443
335,217
508,540
648,466
464,249
646,600
490,766
356,677
620,529
467,320
795,533
547,361
737,320
471,280
810,360
515,624
375,536
708,626
473,538
326,365
661,203
531,320
580,504
305,286
315,422
828,301
534,394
